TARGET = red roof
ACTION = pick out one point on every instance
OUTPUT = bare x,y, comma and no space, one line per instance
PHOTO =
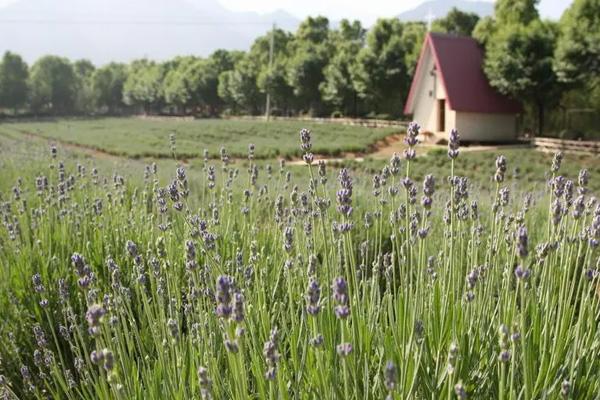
459,60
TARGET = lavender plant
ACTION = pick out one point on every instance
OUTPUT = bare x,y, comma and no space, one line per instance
205,282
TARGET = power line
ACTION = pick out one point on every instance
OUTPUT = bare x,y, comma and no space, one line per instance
108,22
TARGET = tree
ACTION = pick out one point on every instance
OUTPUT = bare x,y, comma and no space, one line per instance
519,63
516,11
484,30
381,77
13,81
143,86
413,36
238,87
107,87
217,63
456,22
84,101
176,85
53,84
338,88
310,53
273,80
578,48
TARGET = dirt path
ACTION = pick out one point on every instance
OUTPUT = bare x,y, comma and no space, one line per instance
79,148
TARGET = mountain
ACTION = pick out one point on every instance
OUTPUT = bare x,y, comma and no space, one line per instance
122,30
439,9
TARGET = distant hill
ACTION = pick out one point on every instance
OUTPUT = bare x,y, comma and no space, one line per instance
439,9
122,30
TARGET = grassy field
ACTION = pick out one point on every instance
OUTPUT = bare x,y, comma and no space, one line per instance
124,280
135,137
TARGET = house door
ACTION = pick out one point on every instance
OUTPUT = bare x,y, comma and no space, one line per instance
441,115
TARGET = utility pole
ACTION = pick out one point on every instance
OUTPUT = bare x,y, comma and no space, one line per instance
271,45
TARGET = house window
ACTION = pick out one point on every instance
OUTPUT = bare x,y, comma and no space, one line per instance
441,115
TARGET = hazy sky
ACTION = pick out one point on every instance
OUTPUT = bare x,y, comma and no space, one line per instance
366,11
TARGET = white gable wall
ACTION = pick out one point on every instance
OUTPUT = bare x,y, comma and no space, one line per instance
486,127
428,91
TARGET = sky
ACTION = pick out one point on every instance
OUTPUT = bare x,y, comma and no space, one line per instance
366,11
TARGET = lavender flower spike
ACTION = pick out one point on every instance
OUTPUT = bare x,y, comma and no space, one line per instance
453,144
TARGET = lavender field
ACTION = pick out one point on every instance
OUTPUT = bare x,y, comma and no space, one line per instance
221,280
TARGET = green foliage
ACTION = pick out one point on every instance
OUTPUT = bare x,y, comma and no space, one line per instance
484,30
413,36
382,78
519,60
143,86
85,97
520,12
107,86
338,87
13,81
519,55
578,47
456,22
310,54
53,84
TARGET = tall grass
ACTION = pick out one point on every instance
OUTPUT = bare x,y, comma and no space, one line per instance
237,284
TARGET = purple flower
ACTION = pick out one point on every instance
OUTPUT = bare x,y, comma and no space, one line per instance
344,195
460,391
271,354
313,296
522,241
390,376
453,144
428,190
340,296
238,307
504,196
395,164
504,356
344,349
93,317
522,273
565,388
288,239
204,382
316,341
556,161
173,328
500,169
305,140
223,294
412,132
583,180
340,290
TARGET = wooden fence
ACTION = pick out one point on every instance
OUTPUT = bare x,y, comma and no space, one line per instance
569,146
371,123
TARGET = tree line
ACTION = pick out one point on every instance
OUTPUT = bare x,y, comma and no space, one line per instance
324,71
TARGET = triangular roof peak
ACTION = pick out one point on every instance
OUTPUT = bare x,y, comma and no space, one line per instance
459,61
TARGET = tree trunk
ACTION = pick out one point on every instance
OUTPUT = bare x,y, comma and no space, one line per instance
540,109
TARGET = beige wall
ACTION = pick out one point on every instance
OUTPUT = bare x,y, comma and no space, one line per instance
486,127
425,108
